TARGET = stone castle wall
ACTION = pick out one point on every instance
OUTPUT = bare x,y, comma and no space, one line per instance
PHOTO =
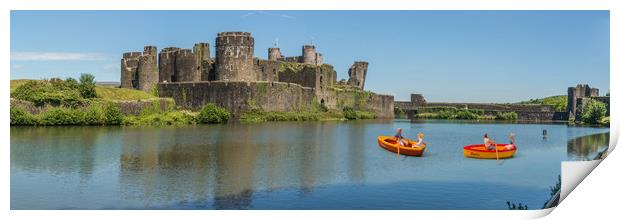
267,70
381,105
236,80
239,97
314,76
524,111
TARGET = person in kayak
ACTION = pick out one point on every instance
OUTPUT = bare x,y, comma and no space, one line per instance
420,140
399,137
512,145
488,143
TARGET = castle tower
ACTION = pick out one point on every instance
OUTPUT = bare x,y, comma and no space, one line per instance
166,64
274,54
234,53
357,74
129,70
202,51
186,66
575,93
309,54
148,72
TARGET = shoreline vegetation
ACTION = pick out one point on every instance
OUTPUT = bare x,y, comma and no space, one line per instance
73,102
452,113
82,102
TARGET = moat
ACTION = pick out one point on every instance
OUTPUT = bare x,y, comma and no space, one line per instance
287,165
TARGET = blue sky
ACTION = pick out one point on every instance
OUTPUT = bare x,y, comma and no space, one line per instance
472,56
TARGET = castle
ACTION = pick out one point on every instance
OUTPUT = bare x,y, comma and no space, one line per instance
240,82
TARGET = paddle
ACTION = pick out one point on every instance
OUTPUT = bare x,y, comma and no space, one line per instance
496,153
398,149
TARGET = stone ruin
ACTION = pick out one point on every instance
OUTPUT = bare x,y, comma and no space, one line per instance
234,61
575,94
234,73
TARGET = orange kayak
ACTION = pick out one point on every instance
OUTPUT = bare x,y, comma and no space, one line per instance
389,143
481,152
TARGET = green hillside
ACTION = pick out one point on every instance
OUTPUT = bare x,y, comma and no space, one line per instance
559,102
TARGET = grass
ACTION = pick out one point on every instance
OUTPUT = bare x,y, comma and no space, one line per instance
110,93
257,116
104,92
559,102
18,82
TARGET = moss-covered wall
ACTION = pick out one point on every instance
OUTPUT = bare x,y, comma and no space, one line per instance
307,75
335,98
240,97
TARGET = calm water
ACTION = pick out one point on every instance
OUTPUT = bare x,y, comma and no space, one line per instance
308,165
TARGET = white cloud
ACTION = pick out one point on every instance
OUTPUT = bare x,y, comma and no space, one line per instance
55,56
17,67
267,14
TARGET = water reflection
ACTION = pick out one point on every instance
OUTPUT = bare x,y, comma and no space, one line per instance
587,147
333,165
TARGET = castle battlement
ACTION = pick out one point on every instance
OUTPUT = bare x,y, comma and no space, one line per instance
234,70
132,54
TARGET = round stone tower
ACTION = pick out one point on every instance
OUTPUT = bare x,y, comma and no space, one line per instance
309,54
234,53
274,54
148,71
186,65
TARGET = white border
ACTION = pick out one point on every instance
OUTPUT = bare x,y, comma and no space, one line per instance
588,200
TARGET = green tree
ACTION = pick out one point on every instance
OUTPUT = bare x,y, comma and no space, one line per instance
87,86
593,111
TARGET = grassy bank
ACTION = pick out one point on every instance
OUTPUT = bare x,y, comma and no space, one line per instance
103,92
108,113
462,114
257,116
559,102
73,102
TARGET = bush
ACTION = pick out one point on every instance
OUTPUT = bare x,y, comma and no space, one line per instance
55,92
349,113
22,117
62,116
87,86
466,115
365,115
211,113
93,115
398,112
162,118
593,111
112,114
506,116
261,116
